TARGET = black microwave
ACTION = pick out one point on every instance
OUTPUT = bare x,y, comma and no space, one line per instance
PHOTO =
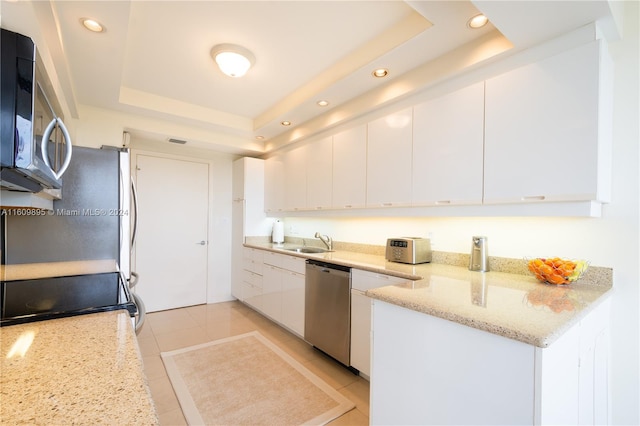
35,145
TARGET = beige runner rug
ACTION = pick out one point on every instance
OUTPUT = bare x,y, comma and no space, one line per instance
247,380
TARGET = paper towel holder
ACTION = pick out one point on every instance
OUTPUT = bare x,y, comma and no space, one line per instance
277,235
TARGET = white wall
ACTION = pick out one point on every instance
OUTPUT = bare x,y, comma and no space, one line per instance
612,240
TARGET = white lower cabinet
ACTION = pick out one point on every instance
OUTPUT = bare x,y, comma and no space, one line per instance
362,281
427,370
361,332
272,292
293,301
251,286
283,290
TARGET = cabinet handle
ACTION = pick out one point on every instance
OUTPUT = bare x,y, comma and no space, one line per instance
443,202
318,208
533,198
387,204
348,206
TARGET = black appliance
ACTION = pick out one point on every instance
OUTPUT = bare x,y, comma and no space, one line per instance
35,147
57,297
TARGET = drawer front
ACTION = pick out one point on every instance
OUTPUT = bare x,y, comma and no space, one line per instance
252,265
252,278
252,254
271,258
365,280
294,263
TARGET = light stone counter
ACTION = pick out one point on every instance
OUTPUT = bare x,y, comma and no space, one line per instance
79,370
29,271
512,304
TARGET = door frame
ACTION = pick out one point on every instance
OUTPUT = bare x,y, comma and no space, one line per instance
218,221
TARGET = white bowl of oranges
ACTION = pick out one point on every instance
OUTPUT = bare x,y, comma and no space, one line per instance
555,270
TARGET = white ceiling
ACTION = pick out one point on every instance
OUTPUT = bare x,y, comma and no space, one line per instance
153,60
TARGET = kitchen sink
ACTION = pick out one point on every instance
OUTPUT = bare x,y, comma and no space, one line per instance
308,250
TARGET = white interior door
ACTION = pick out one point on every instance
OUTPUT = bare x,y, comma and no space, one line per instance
171,248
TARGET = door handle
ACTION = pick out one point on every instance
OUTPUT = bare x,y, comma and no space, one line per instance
202,243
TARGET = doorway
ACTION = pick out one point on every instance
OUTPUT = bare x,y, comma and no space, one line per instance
171,246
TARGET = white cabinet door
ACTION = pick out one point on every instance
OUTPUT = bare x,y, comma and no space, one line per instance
448,146
293,301
389,141
545,130
295,179
361,332
361,315
274,184
350,168
248,216
428,370
272,292
319,174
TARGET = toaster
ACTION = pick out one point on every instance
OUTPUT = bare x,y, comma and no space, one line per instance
410,250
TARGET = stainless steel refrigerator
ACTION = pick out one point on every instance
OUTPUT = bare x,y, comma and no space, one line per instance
94,220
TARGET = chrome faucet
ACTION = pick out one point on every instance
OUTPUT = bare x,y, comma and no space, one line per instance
325,239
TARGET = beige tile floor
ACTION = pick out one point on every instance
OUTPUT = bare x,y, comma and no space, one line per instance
178,328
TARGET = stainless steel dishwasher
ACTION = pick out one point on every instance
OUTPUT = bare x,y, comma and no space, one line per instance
327,321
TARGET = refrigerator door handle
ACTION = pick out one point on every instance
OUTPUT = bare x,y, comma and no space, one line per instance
134,233
142,312
134,279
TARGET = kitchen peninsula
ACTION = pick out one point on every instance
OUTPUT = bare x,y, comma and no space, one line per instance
455,346
507,301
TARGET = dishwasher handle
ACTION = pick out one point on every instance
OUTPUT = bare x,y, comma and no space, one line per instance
318,264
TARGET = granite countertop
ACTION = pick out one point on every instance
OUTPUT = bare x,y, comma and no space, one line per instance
29,271
78,370
513,304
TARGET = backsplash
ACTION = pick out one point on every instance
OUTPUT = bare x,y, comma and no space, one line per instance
595,275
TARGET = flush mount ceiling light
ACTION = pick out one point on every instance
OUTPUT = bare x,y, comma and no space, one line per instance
233,60
477,21
322,103
92,25
380,72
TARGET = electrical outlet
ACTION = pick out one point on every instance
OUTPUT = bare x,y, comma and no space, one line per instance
430,236
293,230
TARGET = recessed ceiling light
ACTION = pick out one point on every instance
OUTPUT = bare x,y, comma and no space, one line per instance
260,137
477,21
285,123
233,60
322,103
92,25
380,72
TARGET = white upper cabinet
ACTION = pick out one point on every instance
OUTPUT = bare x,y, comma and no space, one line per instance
350,168
295,179
547,130
389,160
319,174
274,184
448,137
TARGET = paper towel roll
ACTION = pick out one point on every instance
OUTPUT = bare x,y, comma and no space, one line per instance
277,236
